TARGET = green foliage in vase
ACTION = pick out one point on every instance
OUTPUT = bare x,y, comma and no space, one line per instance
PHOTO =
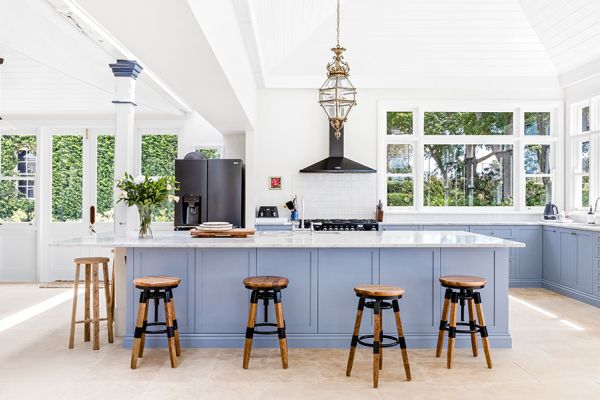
146,190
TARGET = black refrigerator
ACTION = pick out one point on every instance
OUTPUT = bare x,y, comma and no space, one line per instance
209,191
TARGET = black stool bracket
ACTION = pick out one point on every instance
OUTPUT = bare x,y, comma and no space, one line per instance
393,341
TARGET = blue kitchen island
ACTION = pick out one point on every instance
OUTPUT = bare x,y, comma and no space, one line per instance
323,268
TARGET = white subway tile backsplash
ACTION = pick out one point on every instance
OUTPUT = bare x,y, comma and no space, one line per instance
338,195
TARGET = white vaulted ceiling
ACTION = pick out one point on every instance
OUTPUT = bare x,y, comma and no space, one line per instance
392,43
568,29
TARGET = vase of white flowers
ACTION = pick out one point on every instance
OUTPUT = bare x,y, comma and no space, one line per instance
145,192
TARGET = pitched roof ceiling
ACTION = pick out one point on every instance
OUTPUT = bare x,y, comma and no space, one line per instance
392,43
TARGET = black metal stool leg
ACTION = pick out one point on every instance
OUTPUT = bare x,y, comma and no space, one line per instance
250,328
483,329
376,340
280,328
175,327
443,322
472,324
139,329
452,329
359,313
401,340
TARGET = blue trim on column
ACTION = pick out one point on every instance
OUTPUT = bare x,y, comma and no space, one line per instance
124,102
126,68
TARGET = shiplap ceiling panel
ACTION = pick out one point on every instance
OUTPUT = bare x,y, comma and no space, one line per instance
568,29
398,37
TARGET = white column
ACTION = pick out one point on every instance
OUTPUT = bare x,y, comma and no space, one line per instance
125,72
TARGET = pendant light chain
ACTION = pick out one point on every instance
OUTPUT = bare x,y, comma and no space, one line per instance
338,23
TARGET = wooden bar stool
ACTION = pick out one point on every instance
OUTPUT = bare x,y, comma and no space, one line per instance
91,279
266,288
156,288
377,296
464,289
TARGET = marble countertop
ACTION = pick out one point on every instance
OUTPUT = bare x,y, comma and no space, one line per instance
405,239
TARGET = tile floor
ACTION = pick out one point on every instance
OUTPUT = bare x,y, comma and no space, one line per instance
555,355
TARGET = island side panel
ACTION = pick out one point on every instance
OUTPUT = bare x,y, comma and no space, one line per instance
339,271
300,297
491,264
417,271
155,261
222,301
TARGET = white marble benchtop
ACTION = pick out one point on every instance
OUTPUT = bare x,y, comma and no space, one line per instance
406,239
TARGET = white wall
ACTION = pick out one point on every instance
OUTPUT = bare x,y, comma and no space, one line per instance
196,131
234,146
293,133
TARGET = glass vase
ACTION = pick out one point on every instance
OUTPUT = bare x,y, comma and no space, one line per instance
145,212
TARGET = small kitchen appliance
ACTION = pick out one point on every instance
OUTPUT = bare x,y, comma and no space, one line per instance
551,212
268,212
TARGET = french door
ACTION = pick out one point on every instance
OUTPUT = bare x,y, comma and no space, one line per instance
79,173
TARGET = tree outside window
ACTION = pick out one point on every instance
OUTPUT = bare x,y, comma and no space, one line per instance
159,152
17,177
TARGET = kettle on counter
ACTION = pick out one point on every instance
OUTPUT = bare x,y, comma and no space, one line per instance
551,212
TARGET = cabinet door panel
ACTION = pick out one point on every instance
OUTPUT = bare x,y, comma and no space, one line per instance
585,262
529,259
172,262
340,270
551,269
414,270
568,258
300,297
222,301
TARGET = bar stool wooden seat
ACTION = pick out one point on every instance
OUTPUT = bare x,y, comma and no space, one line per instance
156,288
378,297
266,288
463,289
92,265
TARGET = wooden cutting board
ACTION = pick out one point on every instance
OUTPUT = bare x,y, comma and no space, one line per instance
233,233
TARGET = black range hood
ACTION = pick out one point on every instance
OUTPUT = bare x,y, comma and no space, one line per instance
336,162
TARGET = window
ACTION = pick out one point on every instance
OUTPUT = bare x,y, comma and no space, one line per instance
159,152
584,139
431,158
468,175
105,177
67,178
17,177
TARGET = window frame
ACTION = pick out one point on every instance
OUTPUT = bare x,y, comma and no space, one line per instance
518,140
575,137
34,177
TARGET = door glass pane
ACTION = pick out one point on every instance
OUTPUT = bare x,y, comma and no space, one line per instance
537,124
585,119
67,178
538,190
399,158
537,159
399,123
468,175
105,177
400,191
17,177
468,123
158,159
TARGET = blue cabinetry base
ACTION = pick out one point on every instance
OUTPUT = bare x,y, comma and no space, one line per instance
572,293
525,283
413,341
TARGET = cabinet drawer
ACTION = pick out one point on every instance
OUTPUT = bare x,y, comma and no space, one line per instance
597,264
503,233
597,252
597,289
597,277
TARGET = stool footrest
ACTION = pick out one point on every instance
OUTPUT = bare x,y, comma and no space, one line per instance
394,341
265,332
478,328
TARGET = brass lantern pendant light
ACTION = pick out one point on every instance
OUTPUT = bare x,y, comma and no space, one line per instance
337,96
